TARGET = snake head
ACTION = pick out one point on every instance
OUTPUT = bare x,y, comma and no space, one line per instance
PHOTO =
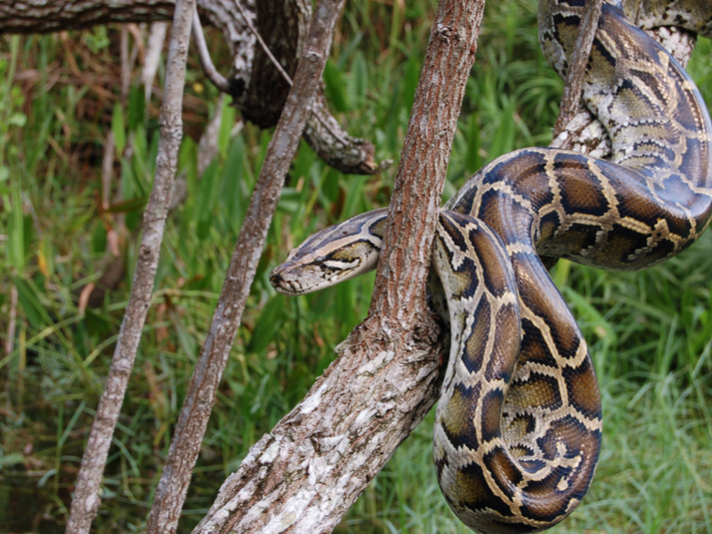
332,255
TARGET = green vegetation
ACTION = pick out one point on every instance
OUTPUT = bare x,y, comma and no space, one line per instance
650,332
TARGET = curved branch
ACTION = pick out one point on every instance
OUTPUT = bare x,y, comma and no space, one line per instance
204,54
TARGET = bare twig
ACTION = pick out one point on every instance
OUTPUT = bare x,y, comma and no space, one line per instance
204,54
304,475
573,86
86,497
199,400
264,46
156,37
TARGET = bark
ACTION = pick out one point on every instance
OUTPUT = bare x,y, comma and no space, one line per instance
306,473
573,86
85,503
257,88
199,400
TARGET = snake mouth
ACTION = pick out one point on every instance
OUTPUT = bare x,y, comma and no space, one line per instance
287,280
284,286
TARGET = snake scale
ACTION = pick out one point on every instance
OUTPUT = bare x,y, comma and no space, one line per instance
518,424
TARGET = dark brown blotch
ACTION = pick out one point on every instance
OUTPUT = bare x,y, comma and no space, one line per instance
458,416
583,390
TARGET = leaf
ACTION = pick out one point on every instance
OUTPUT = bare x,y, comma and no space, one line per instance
474,144
207,192
410,82
30,302
137,107
185,339
16,230
503,140
128,206
119,129
232,177
226,124
8,460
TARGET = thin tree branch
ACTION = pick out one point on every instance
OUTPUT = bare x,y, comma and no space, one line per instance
211,72
199,400
86,497
304,475
573,86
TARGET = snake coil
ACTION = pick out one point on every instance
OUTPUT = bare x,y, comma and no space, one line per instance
518,424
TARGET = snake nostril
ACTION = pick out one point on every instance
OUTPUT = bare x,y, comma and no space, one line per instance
275,279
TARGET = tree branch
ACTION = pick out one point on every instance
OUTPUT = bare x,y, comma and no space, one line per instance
573,86
256,86
304,475
86,496
204,54
203,387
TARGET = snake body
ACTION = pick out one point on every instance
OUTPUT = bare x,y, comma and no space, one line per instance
518,425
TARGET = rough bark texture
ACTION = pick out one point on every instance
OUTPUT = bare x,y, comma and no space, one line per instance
199,400
573,88
284,27
304,475
86,496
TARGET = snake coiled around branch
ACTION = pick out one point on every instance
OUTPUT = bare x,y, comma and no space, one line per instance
518,424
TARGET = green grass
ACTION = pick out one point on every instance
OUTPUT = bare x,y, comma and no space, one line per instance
649,332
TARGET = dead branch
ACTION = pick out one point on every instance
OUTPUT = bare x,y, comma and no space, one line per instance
199,400
85,503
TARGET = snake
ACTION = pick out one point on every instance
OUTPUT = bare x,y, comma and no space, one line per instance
518,426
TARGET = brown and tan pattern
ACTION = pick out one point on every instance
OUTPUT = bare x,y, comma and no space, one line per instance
518,425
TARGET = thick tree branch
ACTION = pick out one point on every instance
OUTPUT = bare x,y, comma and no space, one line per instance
304,475
86,496
198,403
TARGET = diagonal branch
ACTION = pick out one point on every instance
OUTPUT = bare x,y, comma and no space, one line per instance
86,496
199,400
573,86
